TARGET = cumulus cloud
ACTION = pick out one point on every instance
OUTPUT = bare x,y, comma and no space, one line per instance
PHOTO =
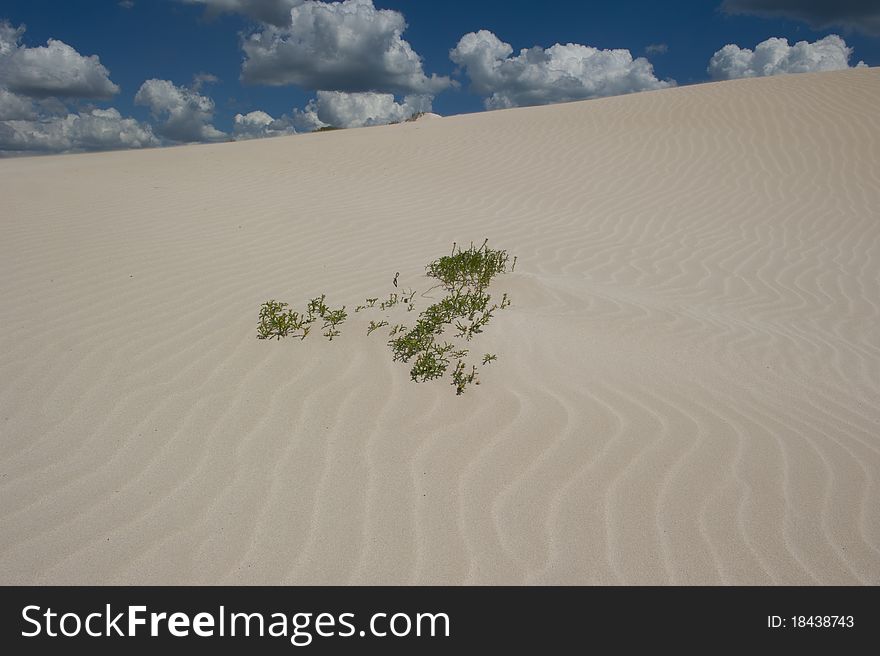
539,76
14,107
355,110
860,15
274,12
774,56
98,129
32,117
55,69
187,114
258,124
341,46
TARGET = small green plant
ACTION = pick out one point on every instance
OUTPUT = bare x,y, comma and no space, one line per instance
475,325
461,379
431,363
474,267
416,340
375,326
393,300
464,274
278,322
333,318
317,307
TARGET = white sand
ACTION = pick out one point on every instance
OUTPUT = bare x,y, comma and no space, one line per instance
688,381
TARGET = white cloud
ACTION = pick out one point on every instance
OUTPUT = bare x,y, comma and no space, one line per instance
342,46
859,15
201,79
539,76
355,110
274,12
98,129
55,69
34,119
15,107
9,38
258,124
774,56
657,49
187,114
126,4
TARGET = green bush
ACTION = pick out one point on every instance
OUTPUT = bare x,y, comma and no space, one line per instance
464,275
276,321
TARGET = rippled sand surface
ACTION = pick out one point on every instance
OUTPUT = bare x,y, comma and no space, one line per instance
687,388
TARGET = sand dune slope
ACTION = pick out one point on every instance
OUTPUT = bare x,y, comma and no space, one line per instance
688,381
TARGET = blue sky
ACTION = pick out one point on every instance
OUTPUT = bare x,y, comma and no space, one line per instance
174,40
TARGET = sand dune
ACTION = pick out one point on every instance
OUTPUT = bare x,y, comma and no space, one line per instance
688,382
